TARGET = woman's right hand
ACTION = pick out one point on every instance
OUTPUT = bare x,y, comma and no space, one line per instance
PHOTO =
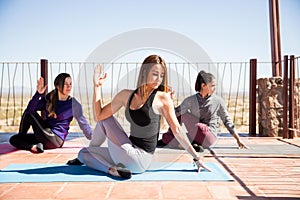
98,78
40,86
171,92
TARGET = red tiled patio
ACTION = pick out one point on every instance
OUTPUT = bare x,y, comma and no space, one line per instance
270,169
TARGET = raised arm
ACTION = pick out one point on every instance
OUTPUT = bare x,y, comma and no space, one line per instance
40,86
35,103
102,112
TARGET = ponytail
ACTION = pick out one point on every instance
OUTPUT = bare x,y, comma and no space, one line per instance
51,99
203,77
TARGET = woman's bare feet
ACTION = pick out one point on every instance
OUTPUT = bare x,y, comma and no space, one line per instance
74,161
37,148
119,171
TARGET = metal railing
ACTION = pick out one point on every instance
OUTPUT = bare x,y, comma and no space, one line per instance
291,115
236,84
18,84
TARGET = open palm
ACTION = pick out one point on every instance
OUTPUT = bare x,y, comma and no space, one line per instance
41,87
98,77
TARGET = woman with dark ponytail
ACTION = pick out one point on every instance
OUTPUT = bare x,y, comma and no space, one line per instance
59,108
200,113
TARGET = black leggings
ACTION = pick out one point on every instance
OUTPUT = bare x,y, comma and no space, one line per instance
41,134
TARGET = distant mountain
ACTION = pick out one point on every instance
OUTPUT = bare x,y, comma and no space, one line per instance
17,90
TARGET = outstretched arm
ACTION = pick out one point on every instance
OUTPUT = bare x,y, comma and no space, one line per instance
167,110
229,125
241,145
82,121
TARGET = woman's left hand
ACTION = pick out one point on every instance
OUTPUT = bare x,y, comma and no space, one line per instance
171,92
200,164
242,145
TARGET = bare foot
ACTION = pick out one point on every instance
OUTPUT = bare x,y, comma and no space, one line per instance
37,148
34,149
119,171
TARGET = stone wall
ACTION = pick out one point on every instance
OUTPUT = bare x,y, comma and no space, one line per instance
270,106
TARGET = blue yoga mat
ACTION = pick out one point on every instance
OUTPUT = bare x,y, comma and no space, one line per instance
21,173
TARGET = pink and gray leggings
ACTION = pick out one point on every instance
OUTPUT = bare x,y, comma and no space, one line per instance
197,132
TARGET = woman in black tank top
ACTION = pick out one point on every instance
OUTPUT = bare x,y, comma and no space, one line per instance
144,124
143,109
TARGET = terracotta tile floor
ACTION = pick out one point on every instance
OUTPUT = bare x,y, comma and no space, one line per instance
257,175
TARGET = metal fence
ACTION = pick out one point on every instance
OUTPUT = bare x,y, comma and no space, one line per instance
234,84
291,89
18,84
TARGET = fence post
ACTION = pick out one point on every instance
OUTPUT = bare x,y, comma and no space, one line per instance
44,74
252,95
285,97
291,97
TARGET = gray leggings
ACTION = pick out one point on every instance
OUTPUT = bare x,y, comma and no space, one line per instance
120,149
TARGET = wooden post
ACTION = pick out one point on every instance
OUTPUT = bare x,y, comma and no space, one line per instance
252,95
285,97
44,74
291,97
275,37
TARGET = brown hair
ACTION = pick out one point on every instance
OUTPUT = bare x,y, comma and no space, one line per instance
144,71
52,97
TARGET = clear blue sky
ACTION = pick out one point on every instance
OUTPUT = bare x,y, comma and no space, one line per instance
69,30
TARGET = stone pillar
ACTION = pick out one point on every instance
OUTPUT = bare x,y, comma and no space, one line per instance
270,106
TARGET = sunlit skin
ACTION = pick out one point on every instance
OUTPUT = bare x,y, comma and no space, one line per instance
66,90
154,79
208,89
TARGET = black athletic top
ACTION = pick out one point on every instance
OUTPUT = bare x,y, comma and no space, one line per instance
144,124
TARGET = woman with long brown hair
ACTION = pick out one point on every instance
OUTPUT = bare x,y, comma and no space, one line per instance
144,107
59,108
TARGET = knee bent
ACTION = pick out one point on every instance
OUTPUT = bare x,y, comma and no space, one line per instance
12,140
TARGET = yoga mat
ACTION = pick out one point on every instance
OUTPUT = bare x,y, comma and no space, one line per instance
21,173
7,148
274,149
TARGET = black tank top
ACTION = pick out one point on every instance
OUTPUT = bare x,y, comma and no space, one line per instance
144,124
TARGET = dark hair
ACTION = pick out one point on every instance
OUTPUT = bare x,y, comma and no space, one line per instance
144,71
203,77
52,96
